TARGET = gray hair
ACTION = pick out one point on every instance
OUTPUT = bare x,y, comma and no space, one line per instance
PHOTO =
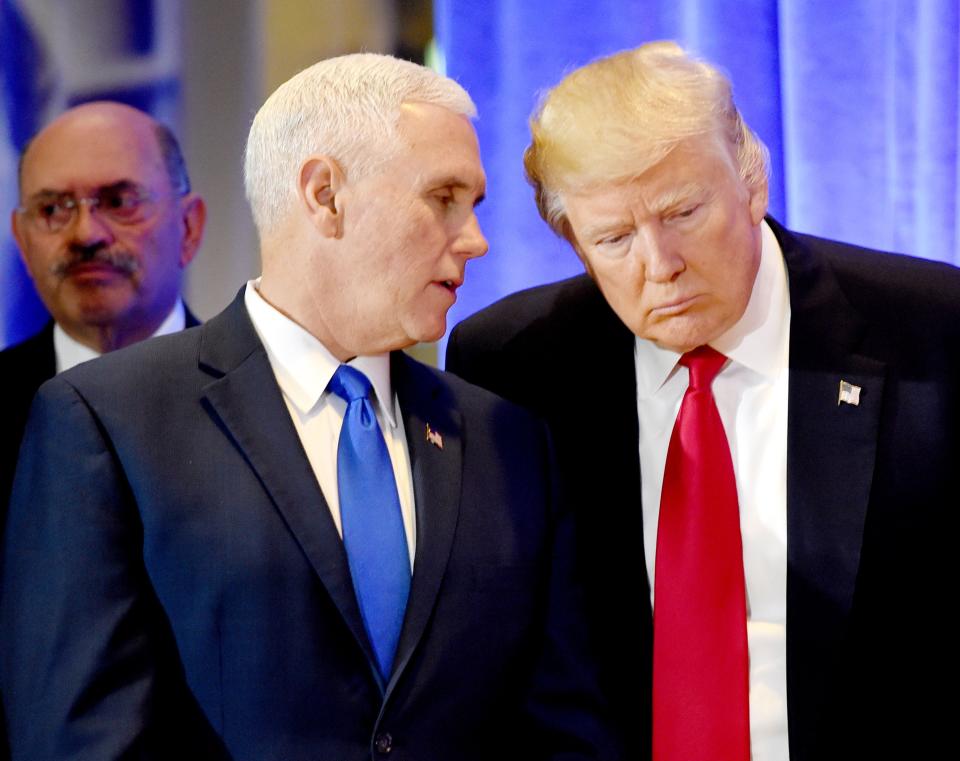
172,158
347,108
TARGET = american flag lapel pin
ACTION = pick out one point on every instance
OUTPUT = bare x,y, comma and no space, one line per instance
849,394
434,437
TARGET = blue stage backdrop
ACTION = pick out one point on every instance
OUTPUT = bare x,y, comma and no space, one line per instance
23,92
54,55
857,101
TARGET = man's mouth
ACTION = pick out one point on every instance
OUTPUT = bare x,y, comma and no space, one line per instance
677,306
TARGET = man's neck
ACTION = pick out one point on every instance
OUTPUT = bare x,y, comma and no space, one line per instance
103,339
73,345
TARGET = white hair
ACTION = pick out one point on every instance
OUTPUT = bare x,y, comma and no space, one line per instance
347,108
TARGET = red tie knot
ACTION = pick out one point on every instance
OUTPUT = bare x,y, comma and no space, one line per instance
703,363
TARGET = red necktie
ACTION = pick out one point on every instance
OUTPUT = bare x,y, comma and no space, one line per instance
700,662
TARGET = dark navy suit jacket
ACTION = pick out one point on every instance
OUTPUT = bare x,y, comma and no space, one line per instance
872,489
24,366
174,585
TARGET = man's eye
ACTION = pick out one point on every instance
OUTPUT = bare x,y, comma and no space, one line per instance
684,213
120,203
116,201
612,240
48,210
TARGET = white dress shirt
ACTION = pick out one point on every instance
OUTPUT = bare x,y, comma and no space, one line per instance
303,367
751,396
69,352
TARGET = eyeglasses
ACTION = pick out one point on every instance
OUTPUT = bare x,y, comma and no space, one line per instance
124,204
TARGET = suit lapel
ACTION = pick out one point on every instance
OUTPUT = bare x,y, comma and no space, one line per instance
246,399
612,458
437,468
831,451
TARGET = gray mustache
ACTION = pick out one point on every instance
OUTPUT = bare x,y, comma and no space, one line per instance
121,261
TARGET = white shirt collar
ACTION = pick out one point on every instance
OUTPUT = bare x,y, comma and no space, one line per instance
70,352
759,340
302,365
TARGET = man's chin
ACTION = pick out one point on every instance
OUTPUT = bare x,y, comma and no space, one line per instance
101,312
431,336
682,341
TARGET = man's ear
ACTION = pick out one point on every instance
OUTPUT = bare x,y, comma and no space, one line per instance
15,222
194,215
319,186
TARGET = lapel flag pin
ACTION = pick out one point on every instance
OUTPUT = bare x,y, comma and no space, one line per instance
434,437
849,394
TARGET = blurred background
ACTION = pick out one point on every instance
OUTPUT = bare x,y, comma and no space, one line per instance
856,99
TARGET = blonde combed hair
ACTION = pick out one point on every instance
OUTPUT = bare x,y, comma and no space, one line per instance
347,108
613,119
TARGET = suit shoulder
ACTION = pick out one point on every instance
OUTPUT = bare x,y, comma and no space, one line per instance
154,363
38,348
869,267
26,365
468,399
541,308
890,284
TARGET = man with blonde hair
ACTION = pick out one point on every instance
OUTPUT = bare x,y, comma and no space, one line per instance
759,429
276,536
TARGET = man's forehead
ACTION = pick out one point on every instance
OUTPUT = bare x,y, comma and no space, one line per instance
440,148
92,150
687,170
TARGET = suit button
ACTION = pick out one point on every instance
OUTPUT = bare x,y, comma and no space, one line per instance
383,743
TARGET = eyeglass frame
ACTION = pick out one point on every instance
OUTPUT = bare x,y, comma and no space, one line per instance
71,203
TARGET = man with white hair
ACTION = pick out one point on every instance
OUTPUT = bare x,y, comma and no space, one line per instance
277,537
760,431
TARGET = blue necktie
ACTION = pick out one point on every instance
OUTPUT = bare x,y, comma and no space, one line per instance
370,514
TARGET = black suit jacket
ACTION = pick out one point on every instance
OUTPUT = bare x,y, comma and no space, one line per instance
174,585
871,488
24,366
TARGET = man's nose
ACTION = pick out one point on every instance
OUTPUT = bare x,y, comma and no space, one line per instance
471,242
662,261
89,227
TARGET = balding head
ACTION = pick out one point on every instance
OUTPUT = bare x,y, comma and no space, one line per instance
106,222
120,113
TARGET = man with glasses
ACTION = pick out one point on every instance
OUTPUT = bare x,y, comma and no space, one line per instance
106,225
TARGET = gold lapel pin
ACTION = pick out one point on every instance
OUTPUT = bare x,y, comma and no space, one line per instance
434,437
849,394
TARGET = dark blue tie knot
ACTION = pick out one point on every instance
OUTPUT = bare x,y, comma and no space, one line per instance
350,384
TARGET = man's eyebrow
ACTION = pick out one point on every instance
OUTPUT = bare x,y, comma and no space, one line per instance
676,197
46,193
124,184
